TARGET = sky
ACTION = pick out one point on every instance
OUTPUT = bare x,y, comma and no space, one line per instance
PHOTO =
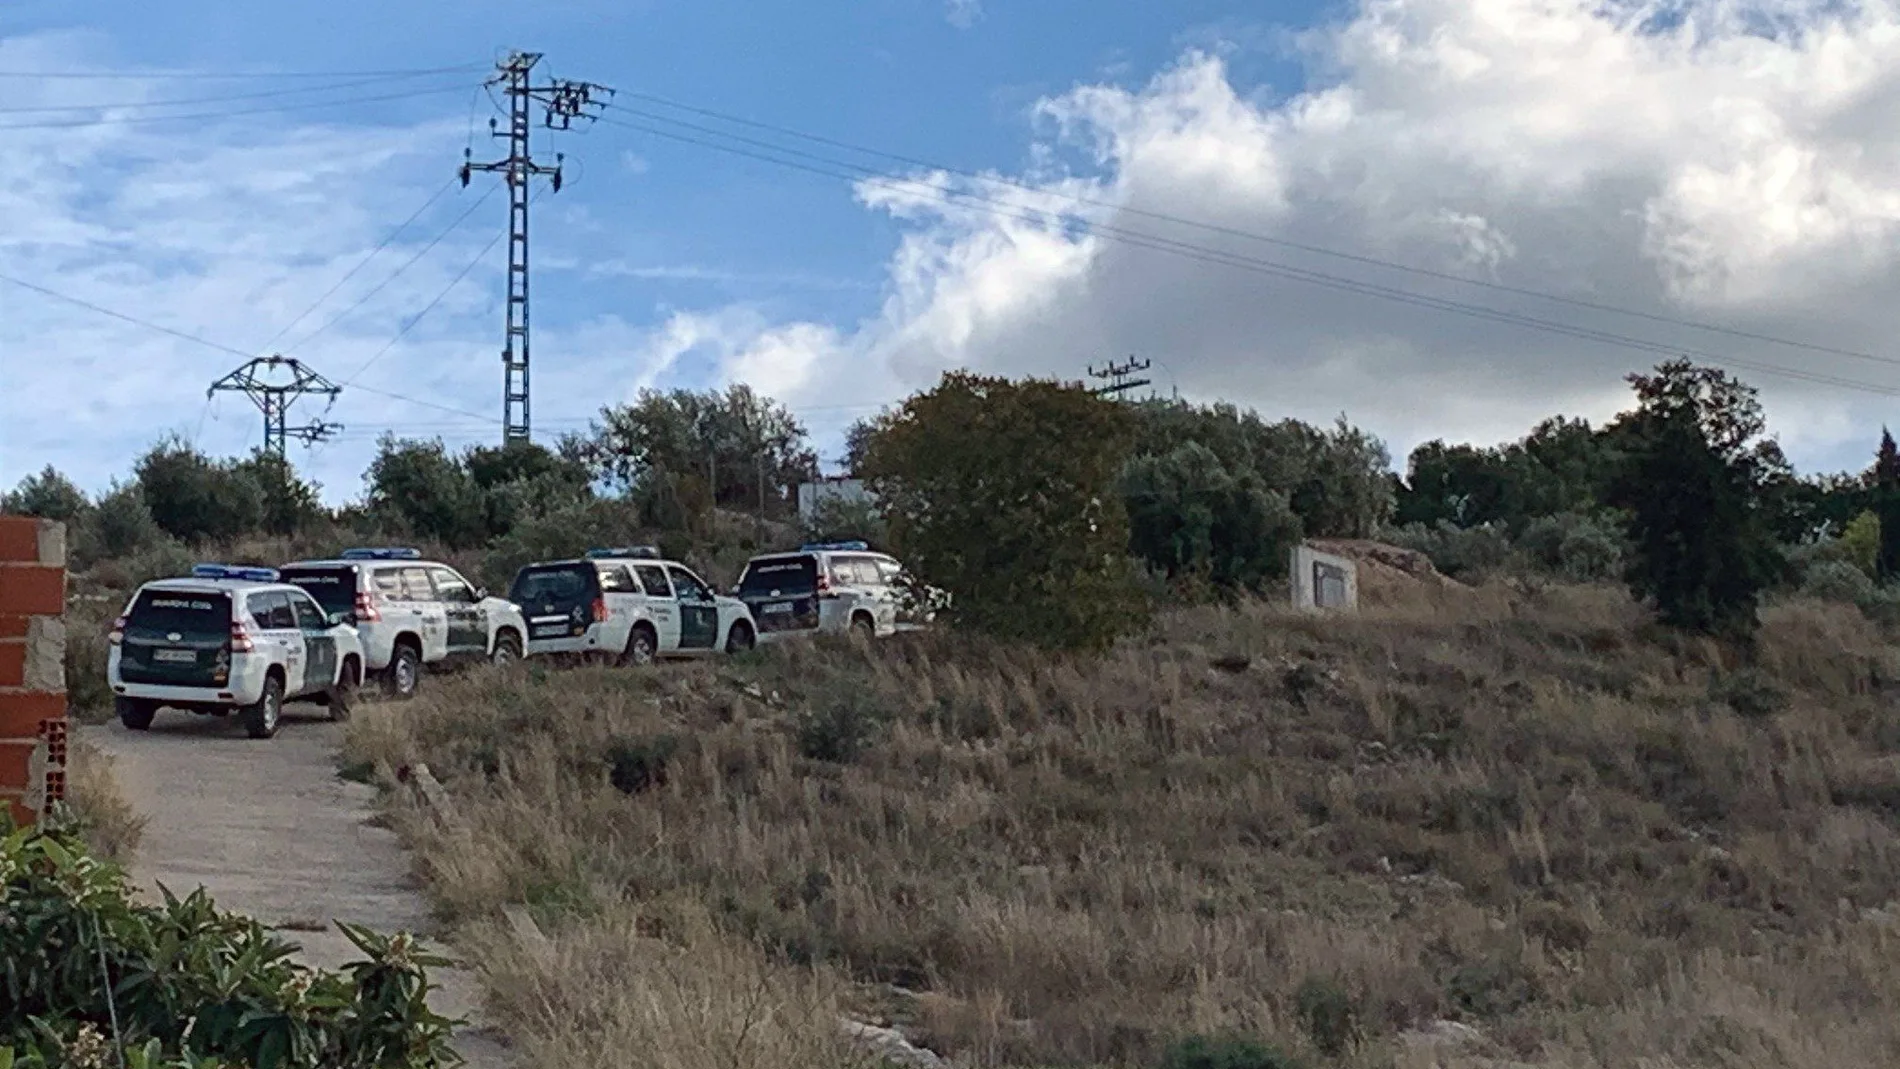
1437,218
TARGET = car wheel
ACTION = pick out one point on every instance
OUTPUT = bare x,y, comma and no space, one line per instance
642,648
862,627
343,695
404,674
134,714
260,719
740,638
507,649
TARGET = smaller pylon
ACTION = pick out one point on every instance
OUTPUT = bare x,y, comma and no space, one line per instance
274,398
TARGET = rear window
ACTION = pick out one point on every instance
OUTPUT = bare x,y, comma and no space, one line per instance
554,582
186,612
615,580
787,575
334,588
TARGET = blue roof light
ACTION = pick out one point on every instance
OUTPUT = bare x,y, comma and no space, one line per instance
226,571
604,553
854,546
382,553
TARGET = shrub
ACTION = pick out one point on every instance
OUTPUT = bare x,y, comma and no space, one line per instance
1578,547
1329,1013
193,985
843,726
636,765
1458,552
1832,580
1225,1052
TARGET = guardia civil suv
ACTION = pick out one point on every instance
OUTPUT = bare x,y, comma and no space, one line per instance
411,613
229,640
629,605
832,587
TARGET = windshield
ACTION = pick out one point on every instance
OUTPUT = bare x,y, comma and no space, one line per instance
191,613
772,576
334,588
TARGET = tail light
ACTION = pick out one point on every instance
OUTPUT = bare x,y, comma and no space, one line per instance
824,584
368,608
600,610
241,641
118,632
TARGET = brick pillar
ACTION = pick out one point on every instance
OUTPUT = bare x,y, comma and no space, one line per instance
32,666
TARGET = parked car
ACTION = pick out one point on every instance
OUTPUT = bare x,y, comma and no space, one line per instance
230,640
412,613
832,587
627,604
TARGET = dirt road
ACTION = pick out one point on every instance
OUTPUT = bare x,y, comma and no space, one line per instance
271,832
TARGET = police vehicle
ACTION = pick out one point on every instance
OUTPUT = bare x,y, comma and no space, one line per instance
230,640
629,605
832,587
411,612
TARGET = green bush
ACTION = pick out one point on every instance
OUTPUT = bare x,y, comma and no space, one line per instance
1225,1052
1578,547
1329,1013
1832,580
842,726
84,969
1459,552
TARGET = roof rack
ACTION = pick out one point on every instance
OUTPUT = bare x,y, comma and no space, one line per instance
226,571
853,546
612,553
381,553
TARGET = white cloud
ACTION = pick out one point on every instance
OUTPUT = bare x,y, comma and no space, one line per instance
1708,171
963,14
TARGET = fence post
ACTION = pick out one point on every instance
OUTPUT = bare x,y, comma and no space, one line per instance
32,666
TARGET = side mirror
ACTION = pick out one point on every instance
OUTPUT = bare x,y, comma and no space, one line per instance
338,619
481,593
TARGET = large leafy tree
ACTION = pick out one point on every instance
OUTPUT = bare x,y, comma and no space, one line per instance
1190,517
1693,481
195,498
744,445
48,495
419,487
1004,494
289,504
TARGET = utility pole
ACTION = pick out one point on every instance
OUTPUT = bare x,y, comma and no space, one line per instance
1117,376
274,398
562,102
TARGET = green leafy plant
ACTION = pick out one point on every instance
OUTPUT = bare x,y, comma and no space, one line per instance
86,973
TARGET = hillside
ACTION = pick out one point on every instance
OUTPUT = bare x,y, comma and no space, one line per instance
1506,828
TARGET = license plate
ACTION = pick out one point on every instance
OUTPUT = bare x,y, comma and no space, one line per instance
783,606
551,631
175,656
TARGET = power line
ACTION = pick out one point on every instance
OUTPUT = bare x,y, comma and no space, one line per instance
379,287
417,318
134,320
360,264
1216,228
42,109
122,120
234,75
1240,261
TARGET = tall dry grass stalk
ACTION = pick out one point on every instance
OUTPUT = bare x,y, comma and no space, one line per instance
1524,810
112,827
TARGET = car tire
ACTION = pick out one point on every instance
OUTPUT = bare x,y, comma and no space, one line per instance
741,638
342,696
262,717
507,649
643,648
134,714
863,627
403,677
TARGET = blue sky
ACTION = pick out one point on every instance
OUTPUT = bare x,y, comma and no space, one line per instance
1733,180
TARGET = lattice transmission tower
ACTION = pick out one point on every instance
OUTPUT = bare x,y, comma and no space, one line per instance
263,381
562,102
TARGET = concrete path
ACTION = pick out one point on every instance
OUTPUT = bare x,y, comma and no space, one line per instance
271,832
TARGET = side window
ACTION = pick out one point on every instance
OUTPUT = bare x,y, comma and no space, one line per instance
889,572
688,584
415,585
451,588
309,617
654,581
854,571
615,580
259,606
389,584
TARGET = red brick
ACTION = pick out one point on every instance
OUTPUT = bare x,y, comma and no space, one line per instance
20,715
12,664
21,815
13,627
32,591
19,539
15,756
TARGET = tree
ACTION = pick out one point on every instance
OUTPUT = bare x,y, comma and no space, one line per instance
521,479
120,525
740,442
1190,517
427,492
48,495
195,498
1886,493
289,504
1004,494
1692,482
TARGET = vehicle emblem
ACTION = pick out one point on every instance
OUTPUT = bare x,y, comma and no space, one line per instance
173,637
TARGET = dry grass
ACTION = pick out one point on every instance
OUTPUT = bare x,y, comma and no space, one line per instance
111,826
1523,810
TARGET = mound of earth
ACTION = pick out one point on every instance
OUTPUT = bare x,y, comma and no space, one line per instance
1387,572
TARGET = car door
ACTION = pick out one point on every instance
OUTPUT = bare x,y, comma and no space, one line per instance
278,632
319,643
423,611
662,607
467,638
621,591
699,613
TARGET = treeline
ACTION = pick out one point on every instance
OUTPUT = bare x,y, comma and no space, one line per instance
987,487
